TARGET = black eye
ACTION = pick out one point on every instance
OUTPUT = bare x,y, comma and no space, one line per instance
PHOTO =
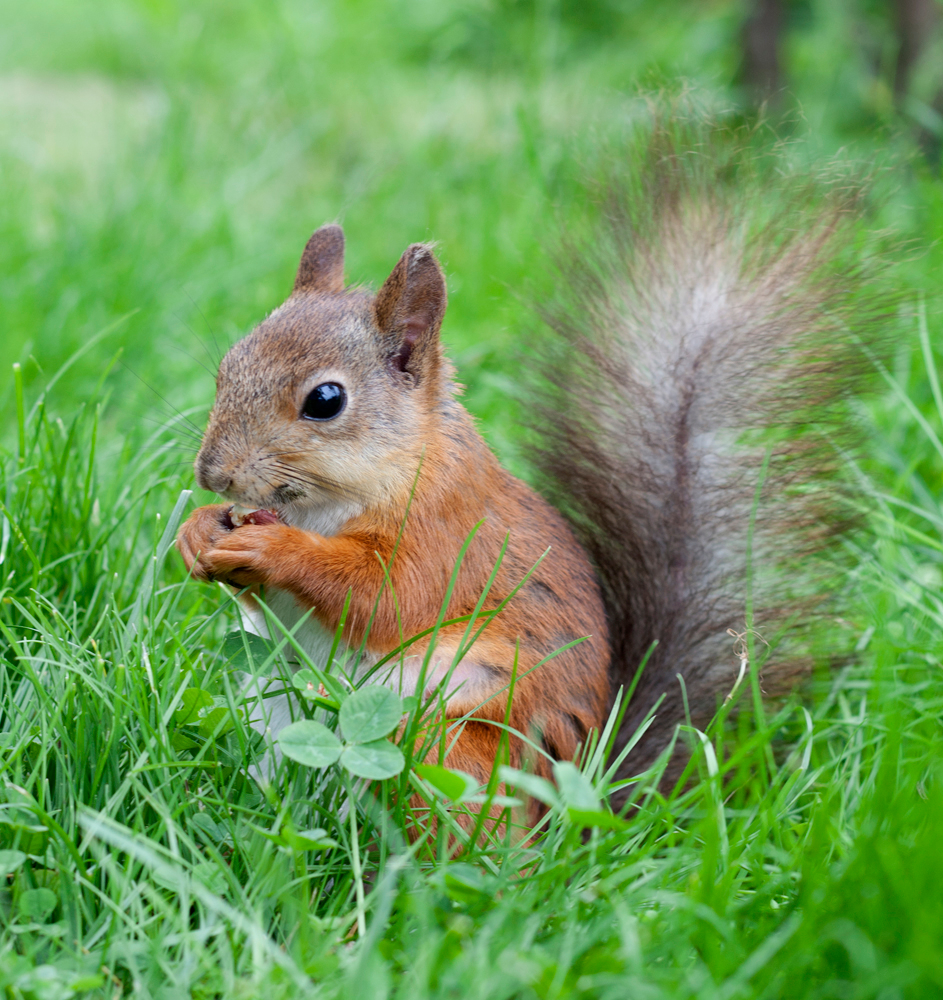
324,402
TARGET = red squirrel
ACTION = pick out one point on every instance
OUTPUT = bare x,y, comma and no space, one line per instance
687,324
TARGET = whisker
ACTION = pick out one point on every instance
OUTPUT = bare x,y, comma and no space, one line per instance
303,475
209,330
308,480
191,436
194,358
172,424
164,399
322,482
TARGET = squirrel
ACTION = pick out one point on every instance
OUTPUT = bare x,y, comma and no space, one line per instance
687,441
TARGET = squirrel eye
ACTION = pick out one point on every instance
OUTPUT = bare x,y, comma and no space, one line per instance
324,402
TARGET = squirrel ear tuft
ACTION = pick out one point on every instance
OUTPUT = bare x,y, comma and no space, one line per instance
322,263
409,310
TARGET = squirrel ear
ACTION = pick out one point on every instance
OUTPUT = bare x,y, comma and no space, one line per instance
409,310
322,263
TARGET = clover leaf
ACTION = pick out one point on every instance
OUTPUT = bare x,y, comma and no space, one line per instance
10,861
234,649
310,742
192,703
37,904
366,717
370,713
376,759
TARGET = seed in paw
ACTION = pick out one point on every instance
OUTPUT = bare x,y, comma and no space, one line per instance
237,515
262,516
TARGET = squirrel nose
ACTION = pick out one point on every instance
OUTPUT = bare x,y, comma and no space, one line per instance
213,479
218,484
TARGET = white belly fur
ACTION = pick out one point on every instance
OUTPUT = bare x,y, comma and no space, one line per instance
271,715
401,675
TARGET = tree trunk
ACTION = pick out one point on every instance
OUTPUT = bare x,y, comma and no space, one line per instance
915,21
762,32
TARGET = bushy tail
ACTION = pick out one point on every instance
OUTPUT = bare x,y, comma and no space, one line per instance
711,326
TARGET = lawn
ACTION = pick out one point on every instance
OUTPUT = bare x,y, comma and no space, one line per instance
163,164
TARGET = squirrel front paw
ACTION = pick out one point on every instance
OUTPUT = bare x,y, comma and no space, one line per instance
200,533
256,553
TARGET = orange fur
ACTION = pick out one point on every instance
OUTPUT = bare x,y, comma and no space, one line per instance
401,417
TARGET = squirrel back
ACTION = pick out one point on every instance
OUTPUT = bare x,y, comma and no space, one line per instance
710,335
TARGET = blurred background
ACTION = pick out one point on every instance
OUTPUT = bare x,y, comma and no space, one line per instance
163,162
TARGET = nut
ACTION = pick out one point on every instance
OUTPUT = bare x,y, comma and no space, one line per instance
237,516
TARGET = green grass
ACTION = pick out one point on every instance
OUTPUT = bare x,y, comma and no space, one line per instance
162,167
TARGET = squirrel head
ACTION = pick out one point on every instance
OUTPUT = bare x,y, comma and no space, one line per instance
328,402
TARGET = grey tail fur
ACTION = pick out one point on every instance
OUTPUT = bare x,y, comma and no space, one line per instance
710,324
